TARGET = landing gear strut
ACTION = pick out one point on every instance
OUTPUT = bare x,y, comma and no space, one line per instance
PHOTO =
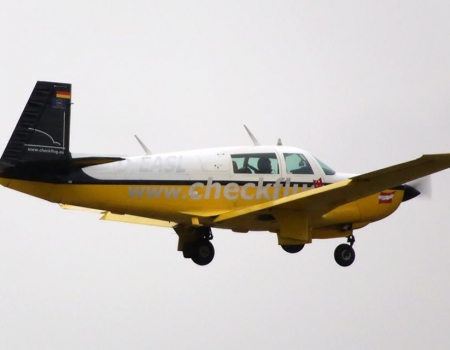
344,253
201,251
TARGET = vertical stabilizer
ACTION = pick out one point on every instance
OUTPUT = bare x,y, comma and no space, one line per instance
43,130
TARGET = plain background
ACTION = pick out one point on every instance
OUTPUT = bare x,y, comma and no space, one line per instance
362,85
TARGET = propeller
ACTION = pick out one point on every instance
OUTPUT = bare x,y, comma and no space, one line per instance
420,186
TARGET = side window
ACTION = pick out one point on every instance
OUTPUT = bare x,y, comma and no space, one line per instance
297,163
255,163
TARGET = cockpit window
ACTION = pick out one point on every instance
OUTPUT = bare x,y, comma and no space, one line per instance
326,169
297,163
255,163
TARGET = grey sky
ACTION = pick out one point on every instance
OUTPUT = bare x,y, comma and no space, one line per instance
362,85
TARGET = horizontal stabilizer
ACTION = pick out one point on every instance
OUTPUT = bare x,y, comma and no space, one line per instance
49,169
132,219
107,215
90,161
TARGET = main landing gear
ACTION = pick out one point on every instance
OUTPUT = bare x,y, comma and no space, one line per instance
292,248
344,254
201,251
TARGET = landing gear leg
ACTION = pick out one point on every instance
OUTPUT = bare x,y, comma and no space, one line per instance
344,253
201,250
351,240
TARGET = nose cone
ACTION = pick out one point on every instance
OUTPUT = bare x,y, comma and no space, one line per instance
410,193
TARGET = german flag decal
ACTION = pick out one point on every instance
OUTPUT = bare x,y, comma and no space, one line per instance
63,94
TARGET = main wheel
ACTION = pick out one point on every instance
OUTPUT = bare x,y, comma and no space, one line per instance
203,252
295,248
344,255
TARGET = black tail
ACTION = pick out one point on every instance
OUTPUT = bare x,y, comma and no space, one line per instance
43,130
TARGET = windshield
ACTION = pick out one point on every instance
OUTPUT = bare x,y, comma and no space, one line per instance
326,169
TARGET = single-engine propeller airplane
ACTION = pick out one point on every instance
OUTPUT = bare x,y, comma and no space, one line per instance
284,190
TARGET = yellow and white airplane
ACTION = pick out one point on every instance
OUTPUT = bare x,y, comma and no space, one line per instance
284,190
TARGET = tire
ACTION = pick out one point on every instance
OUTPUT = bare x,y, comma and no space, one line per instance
295,248
204,252
344,255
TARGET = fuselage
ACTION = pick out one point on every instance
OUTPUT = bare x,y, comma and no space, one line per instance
202,184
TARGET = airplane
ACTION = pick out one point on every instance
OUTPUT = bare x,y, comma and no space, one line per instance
276,188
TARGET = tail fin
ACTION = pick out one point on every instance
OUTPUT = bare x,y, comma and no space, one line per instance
43,130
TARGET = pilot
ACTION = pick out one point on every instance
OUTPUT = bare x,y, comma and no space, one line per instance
301,168
264,166
304,168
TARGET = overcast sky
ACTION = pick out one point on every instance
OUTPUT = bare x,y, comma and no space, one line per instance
360,84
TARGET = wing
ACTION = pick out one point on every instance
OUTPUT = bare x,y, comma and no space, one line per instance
324,199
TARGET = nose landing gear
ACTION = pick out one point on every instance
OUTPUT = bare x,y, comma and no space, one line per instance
344,254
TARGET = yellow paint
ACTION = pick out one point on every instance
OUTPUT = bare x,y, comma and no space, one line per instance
195,221
295,222
294,225
74,207
367,209
371,210
330,232
136,220
344,213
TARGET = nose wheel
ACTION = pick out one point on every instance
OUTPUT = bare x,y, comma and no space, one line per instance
344,254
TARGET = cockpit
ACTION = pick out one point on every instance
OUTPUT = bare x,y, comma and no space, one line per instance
255,163
277,163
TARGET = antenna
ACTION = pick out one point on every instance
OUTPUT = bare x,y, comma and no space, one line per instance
255,141
146,150
279,143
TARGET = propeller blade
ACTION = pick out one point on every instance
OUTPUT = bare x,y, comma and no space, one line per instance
423,185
